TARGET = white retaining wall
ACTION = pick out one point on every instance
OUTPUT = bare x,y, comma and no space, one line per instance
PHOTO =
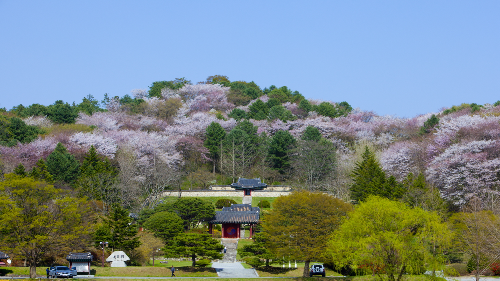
232,193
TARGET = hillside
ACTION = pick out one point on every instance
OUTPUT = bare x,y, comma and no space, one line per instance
166,137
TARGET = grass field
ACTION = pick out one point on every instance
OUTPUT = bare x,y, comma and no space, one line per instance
256,200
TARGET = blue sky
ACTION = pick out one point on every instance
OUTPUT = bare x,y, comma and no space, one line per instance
400,58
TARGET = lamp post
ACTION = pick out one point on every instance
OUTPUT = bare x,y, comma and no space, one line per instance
154,250
102,245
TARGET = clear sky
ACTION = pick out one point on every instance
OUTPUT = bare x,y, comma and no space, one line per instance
400,58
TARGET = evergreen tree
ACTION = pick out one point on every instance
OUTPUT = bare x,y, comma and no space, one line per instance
370,179
97,178
279,148
41,172
20,170
258,110
213,139
62,165
311,134
62,113
118,230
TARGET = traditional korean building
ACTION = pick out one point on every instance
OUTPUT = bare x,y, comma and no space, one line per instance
247,185
232,218
81,261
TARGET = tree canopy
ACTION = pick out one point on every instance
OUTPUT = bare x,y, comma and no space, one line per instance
37,218
388,237
299,225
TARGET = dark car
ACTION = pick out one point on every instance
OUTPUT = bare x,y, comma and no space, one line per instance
317,269
62,271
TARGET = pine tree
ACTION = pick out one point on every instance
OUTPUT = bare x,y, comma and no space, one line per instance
20,170
62,165
41,172
370,179
97,178
213,138
118,230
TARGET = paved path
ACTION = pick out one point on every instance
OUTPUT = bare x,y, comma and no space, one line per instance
233,270
228,266
247,200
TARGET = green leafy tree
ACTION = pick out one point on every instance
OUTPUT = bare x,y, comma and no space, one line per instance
22,132
279,149
164,225
311,134
258,248
305,105
280,112
194,245
62,165
156,87
429,124
390,238
213,141
258,110
36,218
238,114
117,229
369,179
224,203
299,225
193,211
62,113
89,105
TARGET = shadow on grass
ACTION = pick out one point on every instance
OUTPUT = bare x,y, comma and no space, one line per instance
4,271
196,269
275,270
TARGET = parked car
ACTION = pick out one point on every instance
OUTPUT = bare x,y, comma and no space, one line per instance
62,271
317,269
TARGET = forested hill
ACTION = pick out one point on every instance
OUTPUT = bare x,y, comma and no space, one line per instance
183,135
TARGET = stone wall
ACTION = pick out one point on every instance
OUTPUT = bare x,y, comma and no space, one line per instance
269,188
232,193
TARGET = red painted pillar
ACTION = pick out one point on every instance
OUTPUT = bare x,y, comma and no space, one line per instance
210,228
223,231
238,233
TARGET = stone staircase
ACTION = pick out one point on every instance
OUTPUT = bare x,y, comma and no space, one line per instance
231,246
247,200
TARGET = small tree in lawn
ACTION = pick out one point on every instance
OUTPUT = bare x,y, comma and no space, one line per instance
258,248
194,245
164,225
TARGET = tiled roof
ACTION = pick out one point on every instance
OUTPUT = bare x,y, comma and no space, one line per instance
240,208
4,255
248,184
79,257
237,213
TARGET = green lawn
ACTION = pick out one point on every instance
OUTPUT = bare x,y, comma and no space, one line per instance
256,200
241,244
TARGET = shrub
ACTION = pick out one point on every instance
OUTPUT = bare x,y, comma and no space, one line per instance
461,268
450,272
203,262
264,204
495,268
224,203
254,261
